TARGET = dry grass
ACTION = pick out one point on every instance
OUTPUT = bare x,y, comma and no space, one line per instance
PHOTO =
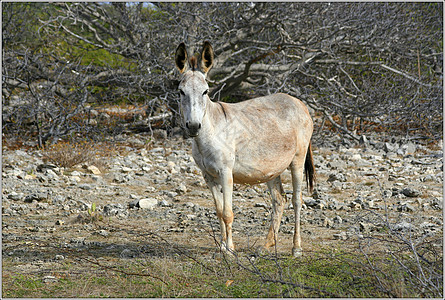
320,274
68,154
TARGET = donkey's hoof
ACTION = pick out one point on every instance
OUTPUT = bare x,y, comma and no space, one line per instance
224,252
227,250
230,252
297,252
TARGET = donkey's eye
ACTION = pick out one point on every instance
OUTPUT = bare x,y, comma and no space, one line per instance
205,92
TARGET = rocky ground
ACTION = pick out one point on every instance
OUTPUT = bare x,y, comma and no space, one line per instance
152,198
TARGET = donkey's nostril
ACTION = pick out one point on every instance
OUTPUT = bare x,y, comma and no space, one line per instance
193,128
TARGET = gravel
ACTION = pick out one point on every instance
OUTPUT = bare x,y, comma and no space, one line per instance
161,190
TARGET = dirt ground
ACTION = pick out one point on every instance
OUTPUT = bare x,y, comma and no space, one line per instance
50,227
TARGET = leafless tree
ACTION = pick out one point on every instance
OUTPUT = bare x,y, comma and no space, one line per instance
360,65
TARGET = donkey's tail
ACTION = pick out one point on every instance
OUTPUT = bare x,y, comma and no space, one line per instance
309,168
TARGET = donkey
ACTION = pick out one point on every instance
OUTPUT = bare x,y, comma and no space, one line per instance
248,142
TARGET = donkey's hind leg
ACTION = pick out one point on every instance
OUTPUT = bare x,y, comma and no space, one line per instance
297,168
276,191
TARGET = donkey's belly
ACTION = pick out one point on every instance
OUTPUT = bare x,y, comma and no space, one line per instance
258,172
254,178
263,158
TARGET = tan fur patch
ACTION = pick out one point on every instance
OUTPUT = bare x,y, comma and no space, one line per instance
194,63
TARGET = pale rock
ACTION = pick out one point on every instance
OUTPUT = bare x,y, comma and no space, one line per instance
150,189
328,223
104,116
148,203
189,204
16,196
49,279
95,178
366,227
404,226
435,193
103,233
93,113
164,203
356,157
126,169
336,177
94,170
181,189
157,150
309,203
406,149
340,236
92,122
171,167
389,147
75,178
76,173
51,174
171,194
29,177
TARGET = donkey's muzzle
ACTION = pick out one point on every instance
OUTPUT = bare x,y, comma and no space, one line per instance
193,128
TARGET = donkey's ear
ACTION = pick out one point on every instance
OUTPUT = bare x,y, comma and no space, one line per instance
181,58
206,57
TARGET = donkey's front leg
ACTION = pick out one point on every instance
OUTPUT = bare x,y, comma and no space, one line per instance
217,194
226,179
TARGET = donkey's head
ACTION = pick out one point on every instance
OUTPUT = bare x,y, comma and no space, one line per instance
193,86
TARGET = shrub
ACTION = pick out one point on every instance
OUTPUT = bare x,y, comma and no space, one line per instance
67,154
